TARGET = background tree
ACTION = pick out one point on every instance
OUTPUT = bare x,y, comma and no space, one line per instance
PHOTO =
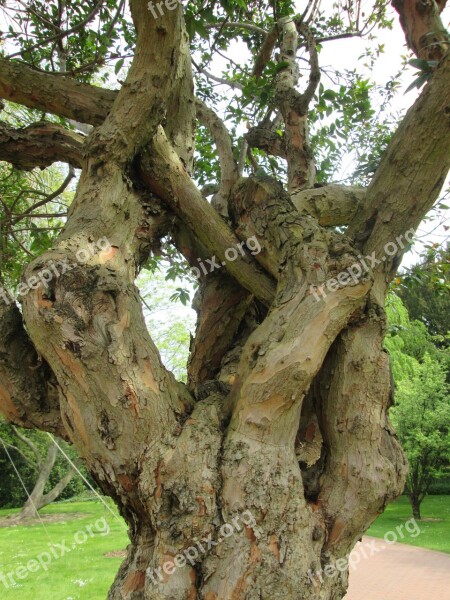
284,409
421,414
426,291
41,469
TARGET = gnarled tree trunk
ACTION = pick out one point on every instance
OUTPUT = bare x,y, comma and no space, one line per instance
278,454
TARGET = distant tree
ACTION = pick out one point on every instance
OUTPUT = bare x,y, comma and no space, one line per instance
284,410
46,477
421,414
426,292
170,324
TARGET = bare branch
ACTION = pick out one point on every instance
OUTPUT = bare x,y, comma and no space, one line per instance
40,145
164,175
232,84
19,451
425,33
224,145
59,487
236,25
61,96
31,445
47,199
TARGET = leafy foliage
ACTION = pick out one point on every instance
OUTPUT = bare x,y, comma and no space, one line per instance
12,492
421,413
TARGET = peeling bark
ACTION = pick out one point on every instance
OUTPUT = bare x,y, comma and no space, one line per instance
423,27
28,388
285,412
40,145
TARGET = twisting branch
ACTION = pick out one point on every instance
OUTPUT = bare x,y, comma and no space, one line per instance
423,27
224,145
236,25
47,199
165,177
40,145
294,107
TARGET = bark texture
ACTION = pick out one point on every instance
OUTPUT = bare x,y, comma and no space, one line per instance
284,417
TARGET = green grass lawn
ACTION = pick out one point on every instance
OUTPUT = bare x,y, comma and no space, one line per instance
433,535
82,573
85,573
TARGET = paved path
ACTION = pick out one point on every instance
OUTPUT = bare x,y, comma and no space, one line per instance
384,571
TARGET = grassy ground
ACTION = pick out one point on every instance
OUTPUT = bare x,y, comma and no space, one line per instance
434,535
81,571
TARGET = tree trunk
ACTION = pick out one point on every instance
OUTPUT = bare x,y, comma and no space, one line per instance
37,499
255,480
415,505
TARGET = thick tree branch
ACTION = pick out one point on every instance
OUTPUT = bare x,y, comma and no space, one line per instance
144,100
40,145
61,96
228,168
265,52
54,493
165,176
294,106
411,174
425,33
332,205
28,389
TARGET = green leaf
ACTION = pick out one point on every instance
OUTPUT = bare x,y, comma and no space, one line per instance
118,65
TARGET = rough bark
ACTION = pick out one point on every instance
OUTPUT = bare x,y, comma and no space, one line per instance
285,412
51,93
332,205
28,389
425,33
40,145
